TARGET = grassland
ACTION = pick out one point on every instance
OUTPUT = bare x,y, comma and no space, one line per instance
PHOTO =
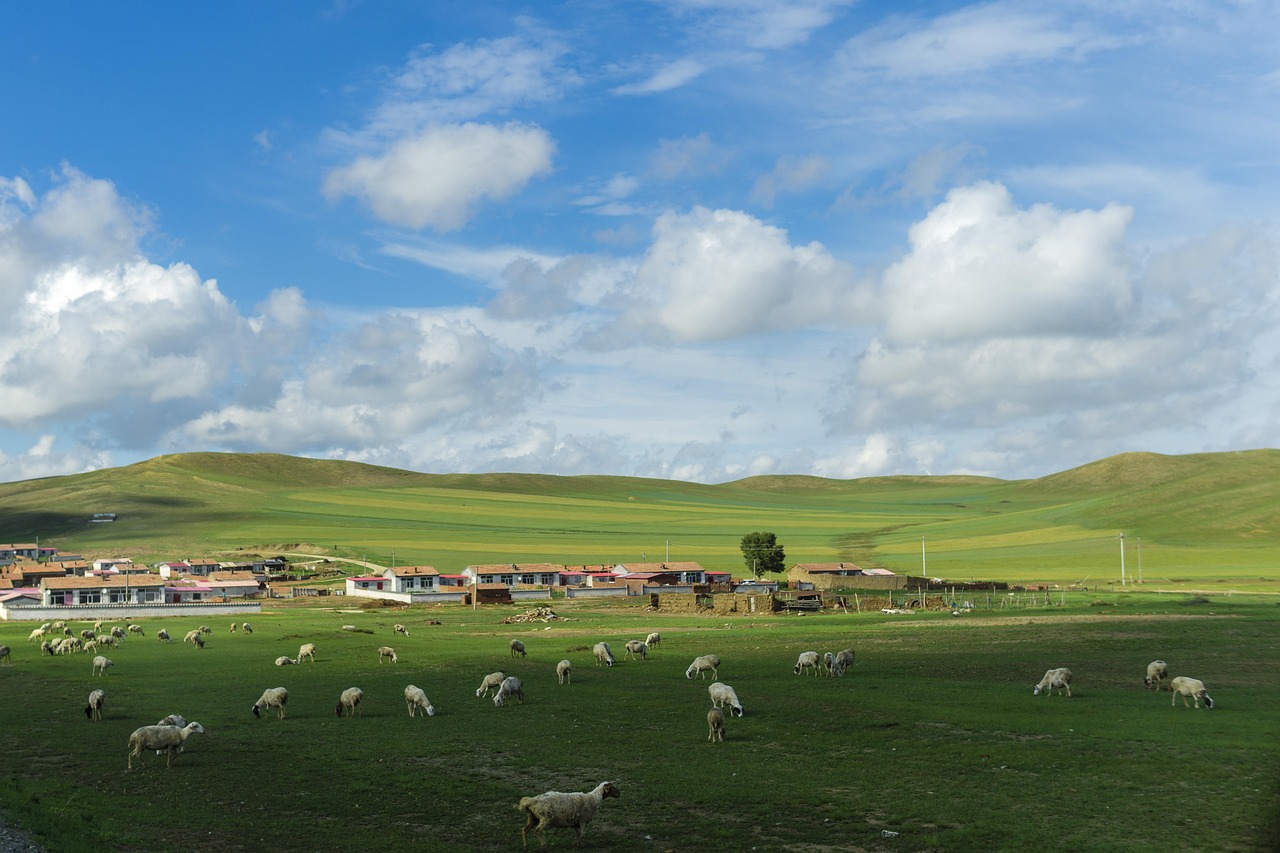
934,734
1190,521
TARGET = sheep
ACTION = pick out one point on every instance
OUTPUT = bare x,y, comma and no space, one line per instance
399,629
636,648
91,646
844,660
1193,687
198,641
88,634
171,720
169,738
35,634
67,645
604,654
807,660
702,664
653,640
554,809
723,695
94,709
492,681
415,699
46,648
118,633
191,636
517,648
1157,673
100,664
108,640
163,636
564,670
350,701
205,629
272,697
134,629
1059,678
829,665
234,626
97,626
285,660
386,653
246,627
308,651
511,687
715,725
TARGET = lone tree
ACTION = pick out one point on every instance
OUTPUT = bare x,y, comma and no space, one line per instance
762,553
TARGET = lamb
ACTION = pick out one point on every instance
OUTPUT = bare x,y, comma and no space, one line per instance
722,695
272,697
492,681
169,738
807,660
564,670
653,640
554,809
636,648
715,725
604,654
91,646
134,629
308,651
94,709
36,634
415,699
386,653
1059,678
511,687
285,660
100,664
163,636
1157,673
829,664
704,663
350,701
517,648
399,629
1193,687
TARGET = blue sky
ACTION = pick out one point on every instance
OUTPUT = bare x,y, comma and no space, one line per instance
693,239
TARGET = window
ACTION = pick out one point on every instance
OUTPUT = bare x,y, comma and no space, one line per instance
90,596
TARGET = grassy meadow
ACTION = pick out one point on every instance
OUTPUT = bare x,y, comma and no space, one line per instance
934,734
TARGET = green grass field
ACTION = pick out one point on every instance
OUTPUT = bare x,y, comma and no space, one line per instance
934,734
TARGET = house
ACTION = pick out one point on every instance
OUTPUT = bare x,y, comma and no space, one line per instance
514,574
29,550
836,575
176,569
220,585
116,564
685,572
109,589
398,579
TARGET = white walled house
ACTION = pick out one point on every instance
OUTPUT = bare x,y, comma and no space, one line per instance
111,589
514,574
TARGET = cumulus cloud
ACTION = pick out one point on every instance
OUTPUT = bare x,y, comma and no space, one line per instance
435,178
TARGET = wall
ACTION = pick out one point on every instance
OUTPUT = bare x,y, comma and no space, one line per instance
122,612
595,592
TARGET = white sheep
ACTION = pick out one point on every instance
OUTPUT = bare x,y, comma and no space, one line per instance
636,648
350,701
205,629
399,629
386,653
118,633
234,626
108,640
554,809
1157,672
807,660
715,725
1193,687
844,660
722,696
91,646
1059,678
272,697
415,699
702,664
46,648
100,664
35,634
511,688
88,634
829,664
246,627
198,641
653,640
604,654
94,709
564,670
172,720
163,636
134,629
308,651
191,636
171,739
517,648
492,681
285,660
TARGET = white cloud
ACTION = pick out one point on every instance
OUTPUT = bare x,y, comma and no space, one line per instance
689,155
436,178
790,175
672,75
759,24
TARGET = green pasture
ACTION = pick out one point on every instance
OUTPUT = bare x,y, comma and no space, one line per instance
934,734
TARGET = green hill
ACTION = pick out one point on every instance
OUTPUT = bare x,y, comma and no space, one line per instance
1197,516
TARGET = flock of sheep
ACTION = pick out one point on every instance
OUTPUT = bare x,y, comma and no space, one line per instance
1059,678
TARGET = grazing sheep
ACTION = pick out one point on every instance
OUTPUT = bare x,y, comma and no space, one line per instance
97,626
88,634
205,629
604,654
517,648
285,660
653,640
134,629
35,634
554,809
636,648
715,725
844,660
350,701
492,681
46,648
173,720
100,664
234,626
564,670
68,645
511,687
91,646
829,664
807,660
163,636
272,697
246,627
308,651
108,640
399,629
722,695
386,653
1059,678
169,738
118,633
704,663
415,699
198,641
191,636
94,709
1157,672
1193,687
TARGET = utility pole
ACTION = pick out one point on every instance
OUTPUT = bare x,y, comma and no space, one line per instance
924,562
1122,583
1139,560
